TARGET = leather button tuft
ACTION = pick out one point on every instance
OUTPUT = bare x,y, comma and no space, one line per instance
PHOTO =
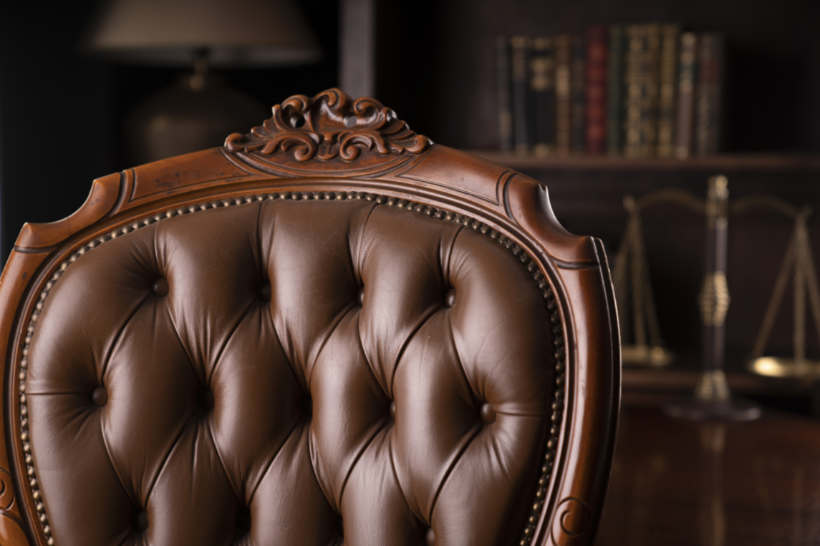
487,413
243,521
361,296
160,287
141,521
99,396
450,298
307,406
392,410
431,536
205,399
264,292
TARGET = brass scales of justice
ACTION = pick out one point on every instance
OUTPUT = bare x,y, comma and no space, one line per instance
643,344
797,264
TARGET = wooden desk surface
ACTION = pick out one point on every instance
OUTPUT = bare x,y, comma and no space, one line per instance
711,484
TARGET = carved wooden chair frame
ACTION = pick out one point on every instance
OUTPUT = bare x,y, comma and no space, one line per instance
332,147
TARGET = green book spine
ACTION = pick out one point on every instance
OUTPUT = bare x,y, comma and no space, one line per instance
615,91
667,90
709,92
563,60
687,70
519,93
632,83
542,95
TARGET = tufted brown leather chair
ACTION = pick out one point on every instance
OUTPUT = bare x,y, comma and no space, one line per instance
328,330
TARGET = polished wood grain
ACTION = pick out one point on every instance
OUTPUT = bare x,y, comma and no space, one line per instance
323,147
682,483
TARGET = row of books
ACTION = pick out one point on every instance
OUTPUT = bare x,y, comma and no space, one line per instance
644,90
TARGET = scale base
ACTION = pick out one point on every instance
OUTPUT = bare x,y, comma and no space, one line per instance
713,402
646,356
695,409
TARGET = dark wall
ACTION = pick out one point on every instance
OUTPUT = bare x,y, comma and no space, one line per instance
55,106
61,111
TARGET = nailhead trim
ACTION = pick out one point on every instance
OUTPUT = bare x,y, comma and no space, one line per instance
441,214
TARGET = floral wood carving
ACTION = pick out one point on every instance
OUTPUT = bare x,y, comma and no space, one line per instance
327,126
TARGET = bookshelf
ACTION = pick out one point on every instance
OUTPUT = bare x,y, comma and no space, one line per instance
435,62
714,163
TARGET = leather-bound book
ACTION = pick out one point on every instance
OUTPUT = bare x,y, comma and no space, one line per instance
615,91
687,71
578,95
542,95
641,79
596,95
520,94
636,44
503,83
563,61
668,75
708,107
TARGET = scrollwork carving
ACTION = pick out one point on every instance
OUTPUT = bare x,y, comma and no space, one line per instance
6,490
572,521
328,126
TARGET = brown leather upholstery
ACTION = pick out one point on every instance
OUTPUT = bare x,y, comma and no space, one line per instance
227,348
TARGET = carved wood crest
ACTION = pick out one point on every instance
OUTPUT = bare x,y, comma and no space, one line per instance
327,126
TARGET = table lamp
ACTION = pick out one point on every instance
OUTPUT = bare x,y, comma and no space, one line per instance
199,110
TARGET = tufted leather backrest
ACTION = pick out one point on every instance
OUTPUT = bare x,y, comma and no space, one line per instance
329,331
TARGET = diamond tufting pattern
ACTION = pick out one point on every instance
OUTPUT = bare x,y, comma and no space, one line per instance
291,371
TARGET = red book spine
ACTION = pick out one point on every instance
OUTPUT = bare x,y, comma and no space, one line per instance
596,94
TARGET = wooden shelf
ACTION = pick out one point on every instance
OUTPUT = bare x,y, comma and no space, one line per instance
714,164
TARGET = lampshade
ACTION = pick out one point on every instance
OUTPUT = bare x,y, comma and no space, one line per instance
234,32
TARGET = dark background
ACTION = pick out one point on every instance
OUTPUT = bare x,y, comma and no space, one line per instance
61,109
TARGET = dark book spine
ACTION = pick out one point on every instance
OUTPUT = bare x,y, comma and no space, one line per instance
521,138
687,70
708,96
503,83
596,90
563,60
636,45
577,95
542,95
615,91
666,92
641,78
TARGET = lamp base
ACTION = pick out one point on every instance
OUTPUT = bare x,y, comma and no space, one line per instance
198,112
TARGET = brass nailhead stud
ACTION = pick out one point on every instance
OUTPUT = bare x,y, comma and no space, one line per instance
99,396
487,413
160,287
